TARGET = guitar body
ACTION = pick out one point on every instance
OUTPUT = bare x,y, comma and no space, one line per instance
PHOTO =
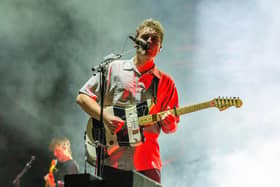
130,135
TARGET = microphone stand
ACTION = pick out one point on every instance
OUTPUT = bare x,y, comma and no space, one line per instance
101,68
16,181
85,156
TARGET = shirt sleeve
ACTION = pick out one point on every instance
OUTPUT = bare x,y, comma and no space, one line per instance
92,87
169,100
73,168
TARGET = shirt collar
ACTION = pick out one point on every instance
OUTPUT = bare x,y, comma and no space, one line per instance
129,65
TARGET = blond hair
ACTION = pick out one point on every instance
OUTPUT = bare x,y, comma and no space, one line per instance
61,141
154,24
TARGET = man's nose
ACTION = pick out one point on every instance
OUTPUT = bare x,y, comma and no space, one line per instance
149,39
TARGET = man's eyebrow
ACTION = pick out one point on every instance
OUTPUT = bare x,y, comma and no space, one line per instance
151,34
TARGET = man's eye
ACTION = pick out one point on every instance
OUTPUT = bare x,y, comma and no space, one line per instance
145,37
155,39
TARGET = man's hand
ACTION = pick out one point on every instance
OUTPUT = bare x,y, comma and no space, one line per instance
114,123
49,181
167,117
60,183
168,121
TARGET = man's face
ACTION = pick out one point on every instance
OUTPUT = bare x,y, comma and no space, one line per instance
59,152
153,39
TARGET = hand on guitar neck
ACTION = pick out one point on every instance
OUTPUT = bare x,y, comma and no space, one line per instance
168,121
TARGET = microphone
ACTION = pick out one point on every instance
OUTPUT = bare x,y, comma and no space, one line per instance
28,164
143,44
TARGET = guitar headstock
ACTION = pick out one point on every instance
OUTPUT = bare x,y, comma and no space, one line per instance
223,103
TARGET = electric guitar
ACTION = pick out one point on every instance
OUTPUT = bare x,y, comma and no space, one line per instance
137,117
51,181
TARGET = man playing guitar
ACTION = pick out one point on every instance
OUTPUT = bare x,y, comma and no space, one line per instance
130,82
63,163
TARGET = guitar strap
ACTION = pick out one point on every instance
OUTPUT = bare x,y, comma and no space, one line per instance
155,89
154,93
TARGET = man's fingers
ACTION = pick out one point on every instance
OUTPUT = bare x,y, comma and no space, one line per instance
119,126
116,125
167,115
164,115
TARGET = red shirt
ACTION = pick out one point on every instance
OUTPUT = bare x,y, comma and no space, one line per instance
147,156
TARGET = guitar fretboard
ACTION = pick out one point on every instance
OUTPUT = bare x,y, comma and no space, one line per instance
152,118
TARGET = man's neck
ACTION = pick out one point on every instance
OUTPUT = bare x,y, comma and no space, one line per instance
64,159
143,65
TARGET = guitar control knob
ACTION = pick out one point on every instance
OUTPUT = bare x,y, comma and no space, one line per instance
111,142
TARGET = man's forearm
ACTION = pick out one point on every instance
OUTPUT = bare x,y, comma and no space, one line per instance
89,105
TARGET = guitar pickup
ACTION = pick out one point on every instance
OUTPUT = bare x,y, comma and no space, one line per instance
135,131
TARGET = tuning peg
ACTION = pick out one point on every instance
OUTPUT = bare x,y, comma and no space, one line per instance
230,101
223,101
226,101
219,101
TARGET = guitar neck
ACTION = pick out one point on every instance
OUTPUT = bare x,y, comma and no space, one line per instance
152,118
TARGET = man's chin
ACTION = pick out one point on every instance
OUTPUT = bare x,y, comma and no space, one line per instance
147,55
